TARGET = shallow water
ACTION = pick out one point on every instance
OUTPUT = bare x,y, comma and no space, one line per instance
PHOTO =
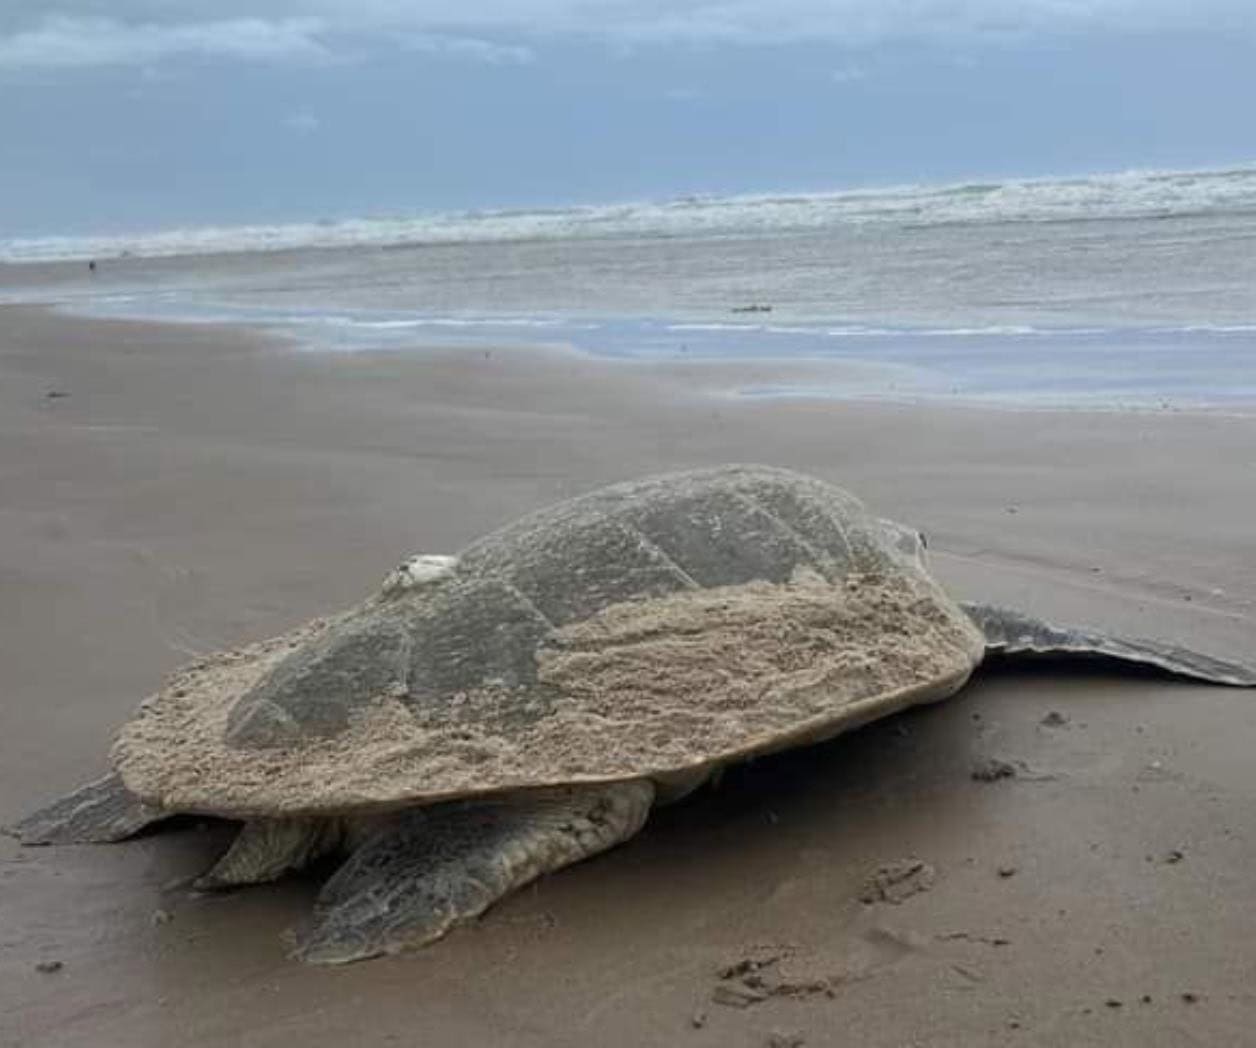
1125,291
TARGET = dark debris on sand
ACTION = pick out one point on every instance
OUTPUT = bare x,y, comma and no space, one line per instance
896,881
992,769
767,972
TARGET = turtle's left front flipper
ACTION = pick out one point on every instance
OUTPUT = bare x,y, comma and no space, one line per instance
426,870
1014,633
101,812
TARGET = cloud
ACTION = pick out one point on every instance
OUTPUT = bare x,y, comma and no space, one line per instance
865,22
79,41
111,32
302,123
67,41
848,75
762,21
467,47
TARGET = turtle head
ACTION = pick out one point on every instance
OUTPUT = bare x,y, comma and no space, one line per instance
907,545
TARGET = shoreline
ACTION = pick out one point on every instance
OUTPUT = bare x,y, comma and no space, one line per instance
194,489
675,387
995,368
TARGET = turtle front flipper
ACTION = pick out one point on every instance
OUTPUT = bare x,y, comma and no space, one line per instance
101,812
1010,632
428,869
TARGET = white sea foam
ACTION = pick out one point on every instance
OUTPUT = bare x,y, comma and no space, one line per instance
531,322
858,331
714,327
1215,329
995,329
1138,194
390,325
411,323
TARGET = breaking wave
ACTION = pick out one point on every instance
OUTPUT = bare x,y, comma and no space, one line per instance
1136,194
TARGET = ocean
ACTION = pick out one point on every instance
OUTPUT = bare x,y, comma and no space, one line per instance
1131,291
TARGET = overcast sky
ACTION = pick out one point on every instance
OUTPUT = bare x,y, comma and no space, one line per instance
120,115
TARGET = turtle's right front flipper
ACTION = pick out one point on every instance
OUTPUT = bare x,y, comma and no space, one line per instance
430,869
1011,632
101,812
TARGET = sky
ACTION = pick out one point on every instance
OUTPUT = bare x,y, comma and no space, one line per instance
129,115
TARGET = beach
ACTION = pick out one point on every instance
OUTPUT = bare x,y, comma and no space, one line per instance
169,490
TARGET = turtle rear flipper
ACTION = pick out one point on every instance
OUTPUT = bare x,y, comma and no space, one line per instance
1011,632
265,849
430,869
101,812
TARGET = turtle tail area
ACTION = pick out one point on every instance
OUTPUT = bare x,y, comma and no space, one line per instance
101,812
1011,632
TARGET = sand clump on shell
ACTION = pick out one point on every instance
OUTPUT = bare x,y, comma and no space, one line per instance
678,682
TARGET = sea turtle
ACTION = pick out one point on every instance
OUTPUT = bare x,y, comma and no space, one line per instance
484,719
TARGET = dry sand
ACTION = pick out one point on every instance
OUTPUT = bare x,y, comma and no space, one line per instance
198,488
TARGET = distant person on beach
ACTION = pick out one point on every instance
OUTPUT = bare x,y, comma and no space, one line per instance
91,265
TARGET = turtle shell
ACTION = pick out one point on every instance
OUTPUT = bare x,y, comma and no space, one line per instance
655,628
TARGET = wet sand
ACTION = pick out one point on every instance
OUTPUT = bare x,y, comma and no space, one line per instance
197,487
